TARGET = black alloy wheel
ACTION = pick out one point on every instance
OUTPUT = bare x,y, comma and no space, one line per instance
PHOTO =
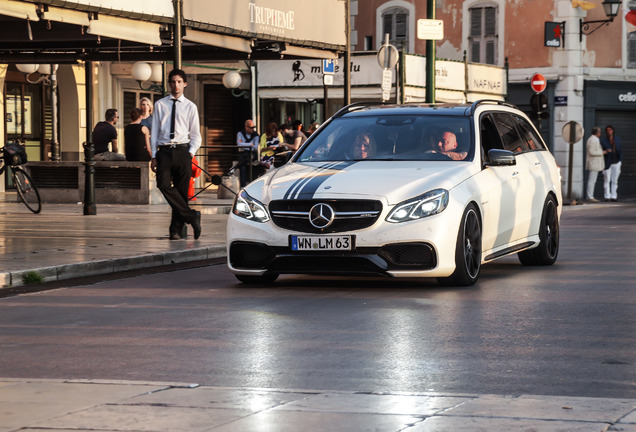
467,252
548,250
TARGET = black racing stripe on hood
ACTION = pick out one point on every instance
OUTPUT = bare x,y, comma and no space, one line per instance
306,187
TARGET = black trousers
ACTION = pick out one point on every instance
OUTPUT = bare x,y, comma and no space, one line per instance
174,169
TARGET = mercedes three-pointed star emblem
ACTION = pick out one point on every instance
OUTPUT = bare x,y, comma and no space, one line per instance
321,215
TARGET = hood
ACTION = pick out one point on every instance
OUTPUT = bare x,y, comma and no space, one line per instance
389,181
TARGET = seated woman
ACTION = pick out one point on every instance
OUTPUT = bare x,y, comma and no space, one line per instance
363,147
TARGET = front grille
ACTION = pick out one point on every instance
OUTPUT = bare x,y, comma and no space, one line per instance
350,215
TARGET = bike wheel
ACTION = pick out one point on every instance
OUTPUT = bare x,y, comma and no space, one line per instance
27,191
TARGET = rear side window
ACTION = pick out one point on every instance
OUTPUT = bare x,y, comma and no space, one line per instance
506,125
528,134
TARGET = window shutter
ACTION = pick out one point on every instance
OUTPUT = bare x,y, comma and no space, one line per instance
474,52
387,26
475,22
400,26
490,52
631,50
490,24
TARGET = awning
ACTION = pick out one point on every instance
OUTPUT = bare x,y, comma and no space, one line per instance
308,94
219,40
19,9
309,52
68,16
124,28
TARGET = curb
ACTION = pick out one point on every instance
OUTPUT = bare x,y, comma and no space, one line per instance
101,267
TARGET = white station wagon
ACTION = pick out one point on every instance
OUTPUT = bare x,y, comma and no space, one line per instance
402,191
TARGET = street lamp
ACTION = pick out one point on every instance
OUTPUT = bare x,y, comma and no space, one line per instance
611,8
142,71
232,80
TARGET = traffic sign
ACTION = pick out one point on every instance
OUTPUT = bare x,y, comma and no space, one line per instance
387,83
387,56
328,66
430,29
572,132
327,79
538,83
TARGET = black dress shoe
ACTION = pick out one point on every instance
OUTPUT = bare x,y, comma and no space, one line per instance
196,225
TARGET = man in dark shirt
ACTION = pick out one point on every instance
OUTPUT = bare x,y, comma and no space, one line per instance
105,133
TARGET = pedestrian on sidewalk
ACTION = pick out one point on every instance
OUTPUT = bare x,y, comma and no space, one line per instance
104,133
247,141
136,138
175,139
594,162
613,155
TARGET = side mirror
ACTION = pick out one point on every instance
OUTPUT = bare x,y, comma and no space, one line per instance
498,157
282,158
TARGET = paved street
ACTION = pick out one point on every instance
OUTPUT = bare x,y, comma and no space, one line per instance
542,348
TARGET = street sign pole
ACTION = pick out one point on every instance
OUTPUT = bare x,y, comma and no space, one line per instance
430,56
572,132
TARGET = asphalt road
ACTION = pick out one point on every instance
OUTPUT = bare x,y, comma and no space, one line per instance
568,330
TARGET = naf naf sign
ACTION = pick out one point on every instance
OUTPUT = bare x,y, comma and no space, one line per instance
554,33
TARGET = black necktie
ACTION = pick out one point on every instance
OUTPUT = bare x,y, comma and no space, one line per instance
172,117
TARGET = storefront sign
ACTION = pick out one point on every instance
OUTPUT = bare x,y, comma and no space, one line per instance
627,97
286,20
553,34
308,73
486,79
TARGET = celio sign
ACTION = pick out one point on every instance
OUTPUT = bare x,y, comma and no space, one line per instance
627,97
271,17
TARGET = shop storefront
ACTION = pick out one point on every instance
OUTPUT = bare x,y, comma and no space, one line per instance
614,103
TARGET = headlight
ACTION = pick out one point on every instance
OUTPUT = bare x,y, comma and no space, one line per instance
428,204
247,207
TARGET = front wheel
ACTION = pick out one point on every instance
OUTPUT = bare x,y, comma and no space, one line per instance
467,251
548,250
27,191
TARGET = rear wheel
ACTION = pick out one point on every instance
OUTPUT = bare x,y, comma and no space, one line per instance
27,191
548,250
264,279
467,251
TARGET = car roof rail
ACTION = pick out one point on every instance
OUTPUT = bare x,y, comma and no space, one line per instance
489,102
354,107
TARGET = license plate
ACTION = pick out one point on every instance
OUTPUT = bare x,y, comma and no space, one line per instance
311,243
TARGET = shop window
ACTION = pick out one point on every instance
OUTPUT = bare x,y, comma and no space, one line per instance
395,22
483,36
631,50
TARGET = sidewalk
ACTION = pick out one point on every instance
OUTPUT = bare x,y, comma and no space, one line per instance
62,243
80,405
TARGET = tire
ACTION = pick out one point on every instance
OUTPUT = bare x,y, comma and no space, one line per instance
467,251
27,191
264,279
548,250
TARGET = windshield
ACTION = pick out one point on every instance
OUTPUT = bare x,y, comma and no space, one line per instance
391,137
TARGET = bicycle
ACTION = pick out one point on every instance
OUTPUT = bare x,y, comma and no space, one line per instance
14,155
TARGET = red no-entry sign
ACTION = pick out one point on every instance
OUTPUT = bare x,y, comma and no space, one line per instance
538,83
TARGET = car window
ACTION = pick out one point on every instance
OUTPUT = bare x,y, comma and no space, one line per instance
389,137
528,134
489,136
509,133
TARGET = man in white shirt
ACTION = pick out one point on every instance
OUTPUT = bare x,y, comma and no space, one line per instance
175,139
247,141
